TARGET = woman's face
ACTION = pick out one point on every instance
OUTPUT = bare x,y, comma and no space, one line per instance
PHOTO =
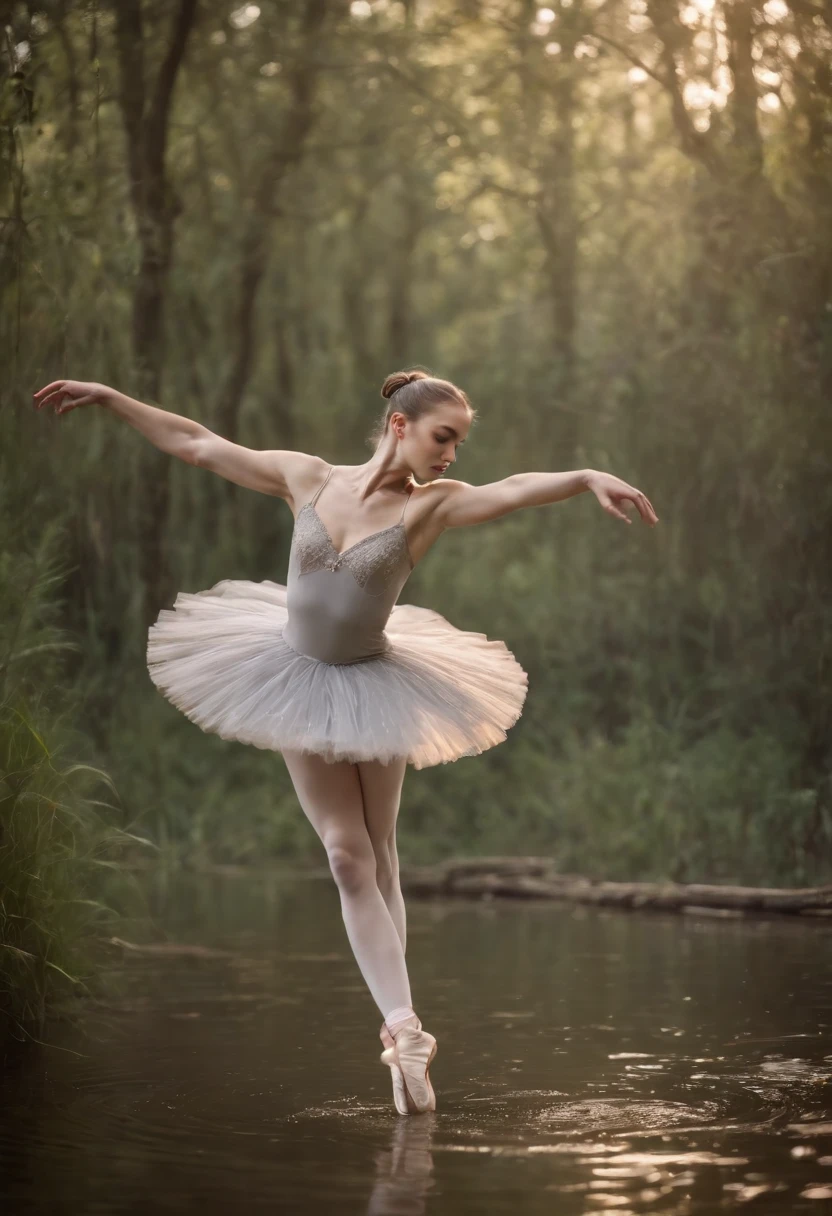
430,444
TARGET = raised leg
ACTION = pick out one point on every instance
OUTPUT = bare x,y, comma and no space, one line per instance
382,788
332,798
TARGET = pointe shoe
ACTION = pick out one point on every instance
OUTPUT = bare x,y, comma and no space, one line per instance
399,1099
412,1052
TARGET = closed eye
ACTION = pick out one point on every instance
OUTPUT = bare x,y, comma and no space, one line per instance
445,438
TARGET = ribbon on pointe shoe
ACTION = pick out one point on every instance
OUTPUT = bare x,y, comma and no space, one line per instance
387,1038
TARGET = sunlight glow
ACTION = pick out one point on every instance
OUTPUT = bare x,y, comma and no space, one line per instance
776,10
243,17
697,94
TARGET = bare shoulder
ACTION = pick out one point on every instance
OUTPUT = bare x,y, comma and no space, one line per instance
443,493
424,516
282,473
303,474
425,499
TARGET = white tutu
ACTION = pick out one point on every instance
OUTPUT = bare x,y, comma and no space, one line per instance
436,694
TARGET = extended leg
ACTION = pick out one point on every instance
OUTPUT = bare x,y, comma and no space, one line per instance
382,788
332,799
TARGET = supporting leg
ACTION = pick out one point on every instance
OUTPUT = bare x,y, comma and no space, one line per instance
382,789
331,797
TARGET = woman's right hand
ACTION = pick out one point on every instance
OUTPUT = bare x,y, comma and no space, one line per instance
64,395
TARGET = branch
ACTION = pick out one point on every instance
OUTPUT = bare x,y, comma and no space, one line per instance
628,54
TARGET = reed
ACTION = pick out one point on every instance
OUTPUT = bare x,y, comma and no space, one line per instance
63,886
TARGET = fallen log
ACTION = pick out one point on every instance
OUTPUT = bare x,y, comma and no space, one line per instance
537,878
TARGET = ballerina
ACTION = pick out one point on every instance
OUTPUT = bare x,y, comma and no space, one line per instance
329,669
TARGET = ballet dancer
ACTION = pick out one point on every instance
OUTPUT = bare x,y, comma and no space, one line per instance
329,669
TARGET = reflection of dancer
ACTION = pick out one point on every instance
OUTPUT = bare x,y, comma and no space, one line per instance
404,1172
329,670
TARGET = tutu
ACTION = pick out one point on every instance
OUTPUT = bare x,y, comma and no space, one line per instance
330,664
437,694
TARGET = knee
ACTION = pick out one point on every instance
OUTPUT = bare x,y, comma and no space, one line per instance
353,869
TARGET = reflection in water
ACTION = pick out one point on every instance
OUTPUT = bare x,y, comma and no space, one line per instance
588,1060
404,1172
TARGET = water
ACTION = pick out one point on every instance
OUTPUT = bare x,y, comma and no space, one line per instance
588,1061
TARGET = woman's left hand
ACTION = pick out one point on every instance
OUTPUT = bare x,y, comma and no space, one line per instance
612,492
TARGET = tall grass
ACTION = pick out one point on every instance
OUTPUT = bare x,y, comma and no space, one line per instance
62,881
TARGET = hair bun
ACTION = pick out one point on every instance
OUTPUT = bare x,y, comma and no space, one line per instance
398,380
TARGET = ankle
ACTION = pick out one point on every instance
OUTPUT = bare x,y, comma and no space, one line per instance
411,1024
398,1019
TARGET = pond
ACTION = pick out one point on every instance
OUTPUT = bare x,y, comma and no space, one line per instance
588,1060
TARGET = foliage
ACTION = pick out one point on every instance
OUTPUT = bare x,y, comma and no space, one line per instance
56,841
62,880
611,225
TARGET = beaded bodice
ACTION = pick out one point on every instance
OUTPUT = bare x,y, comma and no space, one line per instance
371,561
339,603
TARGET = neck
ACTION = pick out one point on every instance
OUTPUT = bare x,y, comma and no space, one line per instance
383,471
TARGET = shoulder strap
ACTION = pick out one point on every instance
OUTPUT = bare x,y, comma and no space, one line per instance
406,501
314,498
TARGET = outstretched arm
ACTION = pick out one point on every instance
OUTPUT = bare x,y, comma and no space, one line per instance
270,472
463,504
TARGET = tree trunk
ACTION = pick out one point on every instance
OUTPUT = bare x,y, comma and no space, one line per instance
400,285
254,252
559,433
146,114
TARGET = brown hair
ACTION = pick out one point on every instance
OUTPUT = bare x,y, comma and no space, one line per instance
415,393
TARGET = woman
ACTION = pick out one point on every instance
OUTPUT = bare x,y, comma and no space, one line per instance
329,670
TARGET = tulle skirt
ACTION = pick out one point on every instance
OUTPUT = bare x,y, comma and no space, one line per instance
436,694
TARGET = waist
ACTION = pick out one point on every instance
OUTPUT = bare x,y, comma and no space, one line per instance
334,646
332,619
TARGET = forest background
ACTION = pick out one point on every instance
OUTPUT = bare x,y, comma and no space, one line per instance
609,222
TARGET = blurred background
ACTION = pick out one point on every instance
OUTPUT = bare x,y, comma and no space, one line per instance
610,223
